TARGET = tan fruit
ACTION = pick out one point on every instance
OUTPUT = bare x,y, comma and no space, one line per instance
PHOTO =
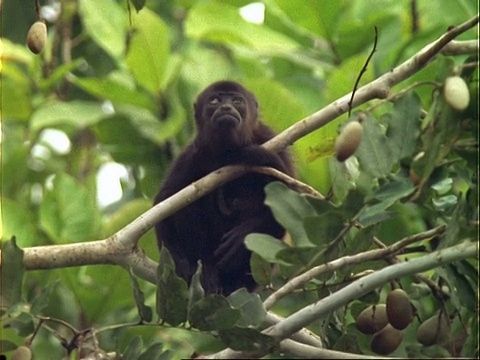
433,330
348,140
372,319
22,353
456,93
399,309
386,340
37,37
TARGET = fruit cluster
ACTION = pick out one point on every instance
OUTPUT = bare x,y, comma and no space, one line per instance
387,321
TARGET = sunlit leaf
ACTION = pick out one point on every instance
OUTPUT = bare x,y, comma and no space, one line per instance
106,23
149,50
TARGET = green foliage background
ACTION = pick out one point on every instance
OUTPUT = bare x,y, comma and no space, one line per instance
120,84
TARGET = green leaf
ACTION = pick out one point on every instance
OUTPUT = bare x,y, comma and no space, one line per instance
172,291
116,89
261,270
133,348
374,154
324,228
290,209
77,114
265,246
244,339
404,126
67,212
144,311
230,28
149,51
106,23
17,220
196,291
251,308
393,191
213,312
11,273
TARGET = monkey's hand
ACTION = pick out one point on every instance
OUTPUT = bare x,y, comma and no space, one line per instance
232,253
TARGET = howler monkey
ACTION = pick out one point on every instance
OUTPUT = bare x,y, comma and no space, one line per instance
213,228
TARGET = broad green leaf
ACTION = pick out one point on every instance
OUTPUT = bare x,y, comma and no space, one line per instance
18,221
319,17
204,22
115,89
324,228
67,212
261,270
246,339
16,93
290,209
106,23
374,154
393,191
11,273
172,291
279,107
149,51
195,290
134,348
404,126
264,245
144,311
251,307
77,114
213,312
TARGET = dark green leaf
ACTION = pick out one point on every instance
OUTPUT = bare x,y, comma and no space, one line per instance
251,307
213,312
393,191
324,228
261,270
404,126
138,4
196,292
374,154
244,339
154,352
290,209
172,291
134,348
11,273
144,311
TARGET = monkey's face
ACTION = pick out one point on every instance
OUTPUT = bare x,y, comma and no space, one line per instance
226,111
226,115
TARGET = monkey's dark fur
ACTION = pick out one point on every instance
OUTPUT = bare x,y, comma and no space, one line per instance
213,228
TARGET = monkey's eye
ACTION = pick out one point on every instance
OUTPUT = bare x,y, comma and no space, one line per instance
238,100
214,100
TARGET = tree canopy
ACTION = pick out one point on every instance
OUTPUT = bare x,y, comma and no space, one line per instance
381,257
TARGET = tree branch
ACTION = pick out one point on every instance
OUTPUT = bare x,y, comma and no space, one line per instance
120,248
320,309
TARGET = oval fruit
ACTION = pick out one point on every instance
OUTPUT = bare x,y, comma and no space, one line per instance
386,340
372,319
348,140
455,91
37,37
22,353
433,330
399,309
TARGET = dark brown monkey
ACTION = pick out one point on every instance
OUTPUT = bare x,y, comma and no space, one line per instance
213,228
